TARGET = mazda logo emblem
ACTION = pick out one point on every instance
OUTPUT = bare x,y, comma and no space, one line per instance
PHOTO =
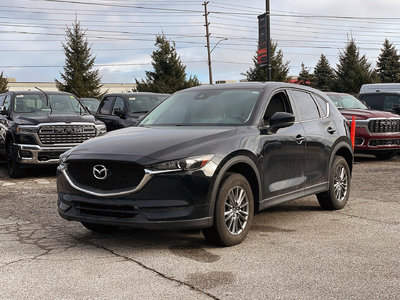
100,172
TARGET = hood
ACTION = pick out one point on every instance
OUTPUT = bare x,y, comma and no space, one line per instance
154,144
364,114
35,120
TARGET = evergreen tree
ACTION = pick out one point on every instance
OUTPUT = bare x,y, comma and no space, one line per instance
352,70
388,64
304,78
279,69
169,73
79,76
324,75
3,83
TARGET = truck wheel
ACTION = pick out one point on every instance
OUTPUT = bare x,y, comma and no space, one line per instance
14,169
233,214
99,227
339,186
386,156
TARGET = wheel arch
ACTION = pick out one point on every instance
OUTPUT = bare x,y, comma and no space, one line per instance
244,163
343,149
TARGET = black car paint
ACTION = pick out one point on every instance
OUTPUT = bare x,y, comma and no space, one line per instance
127,118
278,167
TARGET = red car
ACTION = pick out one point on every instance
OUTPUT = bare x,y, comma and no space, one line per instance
377,132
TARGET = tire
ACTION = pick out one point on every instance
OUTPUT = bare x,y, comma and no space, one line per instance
386,156
235,199
99,227
14,169
337,197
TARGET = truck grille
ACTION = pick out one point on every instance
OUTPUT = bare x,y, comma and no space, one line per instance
385,142
65,134
120,175
384,125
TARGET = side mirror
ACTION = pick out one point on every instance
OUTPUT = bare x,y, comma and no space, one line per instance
4,111
118,112
279,120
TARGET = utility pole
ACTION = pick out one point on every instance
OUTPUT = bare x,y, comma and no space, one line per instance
268,12
208,41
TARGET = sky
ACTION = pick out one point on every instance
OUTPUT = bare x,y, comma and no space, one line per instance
122,34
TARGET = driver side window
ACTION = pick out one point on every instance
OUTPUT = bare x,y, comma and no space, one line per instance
278,103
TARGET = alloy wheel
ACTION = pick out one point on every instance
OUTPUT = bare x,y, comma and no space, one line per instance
340,183
236,210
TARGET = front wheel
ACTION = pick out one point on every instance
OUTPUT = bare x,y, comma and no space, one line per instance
339,186
14,169
234,210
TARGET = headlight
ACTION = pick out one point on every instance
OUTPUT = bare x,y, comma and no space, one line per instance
22,129
190,163
101,129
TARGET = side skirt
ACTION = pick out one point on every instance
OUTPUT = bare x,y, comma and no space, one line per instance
315,189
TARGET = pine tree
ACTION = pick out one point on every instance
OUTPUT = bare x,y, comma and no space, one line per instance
279,69
3,83
169,74
352,70
304,78
388,64
79,76
324,75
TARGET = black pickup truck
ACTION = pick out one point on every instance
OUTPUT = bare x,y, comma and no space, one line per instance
36,128
121,110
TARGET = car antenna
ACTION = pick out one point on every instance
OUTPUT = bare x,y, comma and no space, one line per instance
47,99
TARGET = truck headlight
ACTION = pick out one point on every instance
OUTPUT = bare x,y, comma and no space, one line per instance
23,129
190,163
101,129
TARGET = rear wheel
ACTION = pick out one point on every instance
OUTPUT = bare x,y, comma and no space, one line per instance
385,156
233,214
99,227
339,186
14,169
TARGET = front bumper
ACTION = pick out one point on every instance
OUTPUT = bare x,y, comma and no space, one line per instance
367,142
178,200
39,155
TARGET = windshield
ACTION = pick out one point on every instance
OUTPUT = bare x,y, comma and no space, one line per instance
346,101
205,107
143,103
37,104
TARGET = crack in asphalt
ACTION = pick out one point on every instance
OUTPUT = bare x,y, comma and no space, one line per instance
368,219
45,239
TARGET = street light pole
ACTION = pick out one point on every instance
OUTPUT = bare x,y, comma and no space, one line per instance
268,14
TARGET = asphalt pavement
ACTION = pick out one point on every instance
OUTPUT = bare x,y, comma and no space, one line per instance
293,251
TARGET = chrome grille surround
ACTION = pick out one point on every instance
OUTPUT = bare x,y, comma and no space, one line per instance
65,134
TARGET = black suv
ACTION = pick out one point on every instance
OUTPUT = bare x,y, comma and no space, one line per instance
124,109
35,128
386,101
208,157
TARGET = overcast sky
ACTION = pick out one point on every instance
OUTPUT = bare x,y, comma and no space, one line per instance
122,33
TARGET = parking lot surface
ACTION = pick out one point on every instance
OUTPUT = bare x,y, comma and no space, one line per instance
293,251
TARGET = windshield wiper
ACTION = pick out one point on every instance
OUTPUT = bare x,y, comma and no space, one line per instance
47,99
140,112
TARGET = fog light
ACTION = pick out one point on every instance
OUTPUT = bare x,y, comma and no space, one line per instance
25,154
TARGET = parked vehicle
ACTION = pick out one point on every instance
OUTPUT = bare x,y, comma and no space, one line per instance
92,104
124,109
208,157
35,128
379,88
386,101
377,132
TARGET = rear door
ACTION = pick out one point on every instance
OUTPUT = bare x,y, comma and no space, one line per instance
318,129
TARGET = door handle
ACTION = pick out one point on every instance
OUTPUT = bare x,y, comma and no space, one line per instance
300,139
331,130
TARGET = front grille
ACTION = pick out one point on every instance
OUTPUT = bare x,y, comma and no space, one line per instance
385,142
106,210
120,175
66,134
384,125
